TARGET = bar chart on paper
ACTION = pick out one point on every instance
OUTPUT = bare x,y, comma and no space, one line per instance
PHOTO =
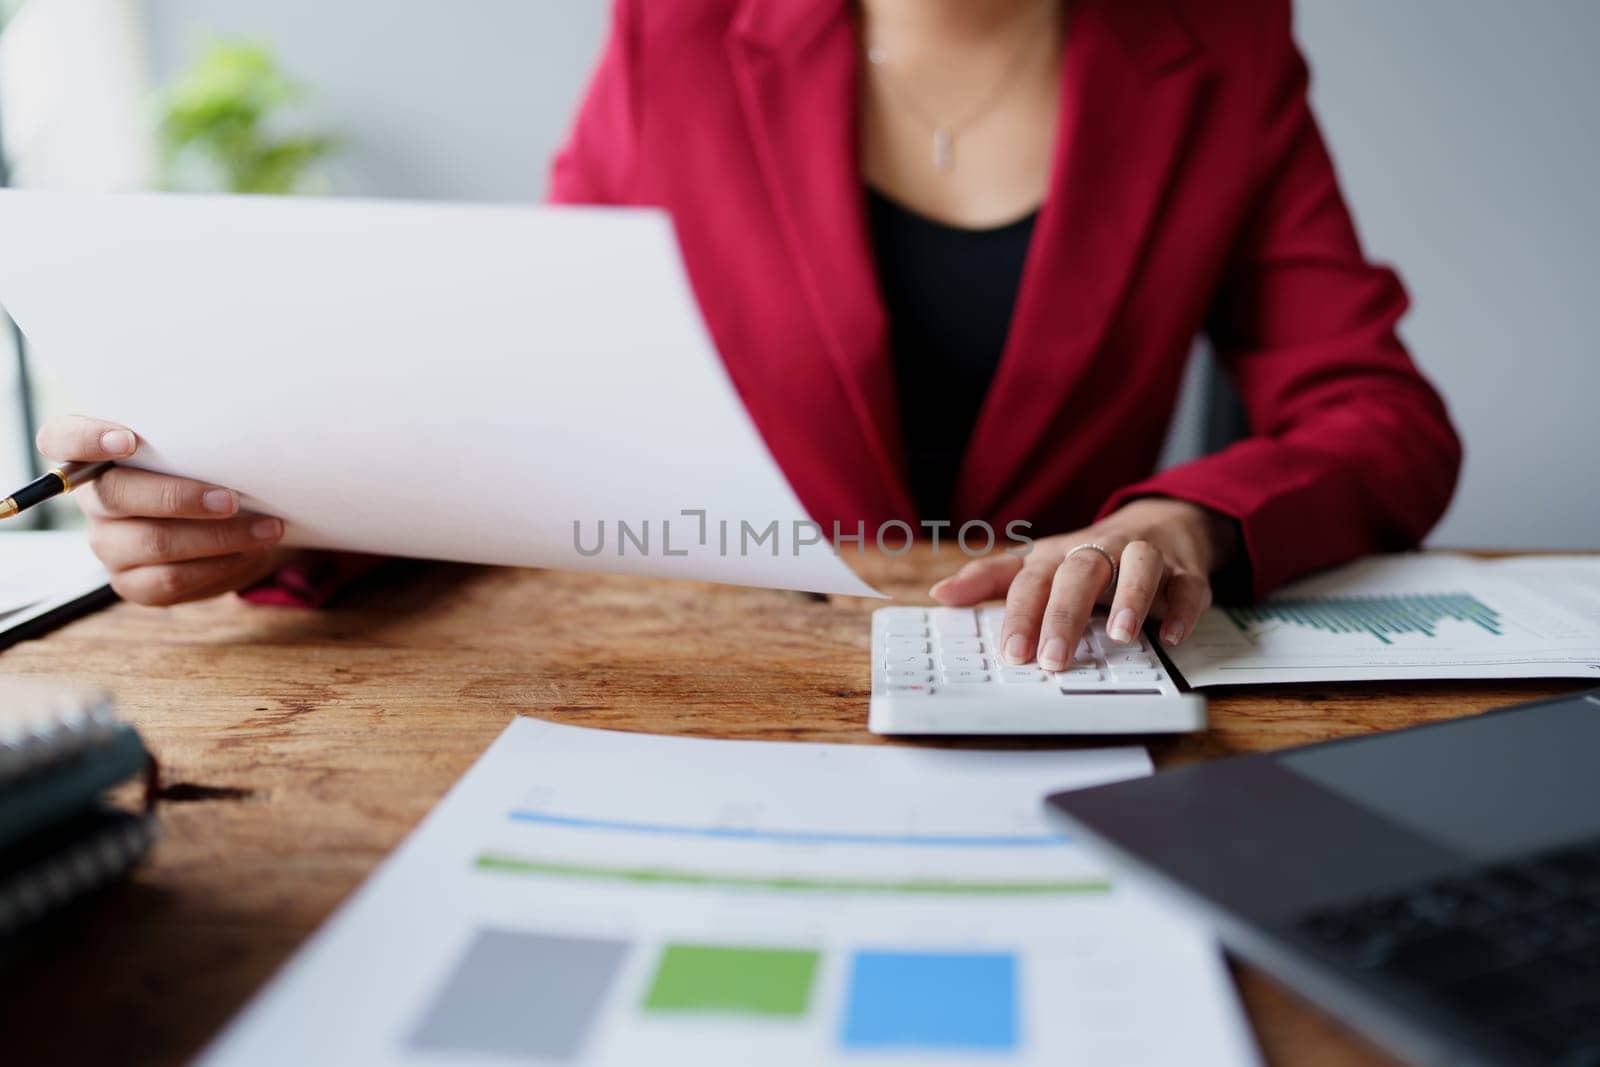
1414,616
590,897
1383,618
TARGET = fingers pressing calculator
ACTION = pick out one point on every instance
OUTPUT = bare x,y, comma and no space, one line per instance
938,671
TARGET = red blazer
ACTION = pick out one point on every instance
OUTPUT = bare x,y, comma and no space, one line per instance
1191,192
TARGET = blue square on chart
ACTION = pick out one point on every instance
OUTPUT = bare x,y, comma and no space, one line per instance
955,1001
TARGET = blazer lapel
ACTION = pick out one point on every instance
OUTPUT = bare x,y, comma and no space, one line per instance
795,65
1130,91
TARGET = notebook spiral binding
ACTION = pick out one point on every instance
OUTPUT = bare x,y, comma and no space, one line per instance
60,726
60,749
98,858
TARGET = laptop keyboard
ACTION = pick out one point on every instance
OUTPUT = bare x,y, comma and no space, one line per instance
1515,947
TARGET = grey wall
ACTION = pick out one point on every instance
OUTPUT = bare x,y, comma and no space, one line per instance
1467,133
435,100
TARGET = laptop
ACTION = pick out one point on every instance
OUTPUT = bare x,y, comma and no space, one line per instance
1438,888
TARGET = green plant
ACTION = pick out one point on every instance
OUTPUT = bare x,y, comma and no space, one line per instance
220,124
9,8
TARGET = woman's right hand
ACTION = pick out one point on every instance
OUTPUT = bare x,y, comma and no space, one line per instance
165,540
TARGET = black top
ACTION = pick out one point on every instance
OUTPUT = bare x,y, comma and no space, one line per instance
949,293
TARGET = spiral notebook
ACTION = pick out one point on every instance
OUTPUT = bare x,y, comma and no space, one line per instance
61,751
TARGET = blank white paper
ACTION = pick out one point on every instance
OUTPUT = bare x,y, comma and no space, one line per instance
457,382
42,569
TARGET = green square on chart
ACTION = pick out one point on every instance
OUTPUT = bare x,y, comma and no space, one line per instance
724,980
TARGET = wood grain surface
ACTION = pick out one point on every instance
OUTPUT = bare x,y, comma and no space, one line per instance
299,747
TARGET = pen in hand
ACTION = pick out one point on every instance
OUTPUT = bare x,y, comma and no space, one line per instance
64,479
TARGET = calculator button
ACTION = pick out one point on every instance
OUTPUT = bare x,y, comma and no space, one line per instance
1135,674
954,621
906,646
900,630
1132,659
1079,674
966,677
893,615
960,644
909,677
909,663
1020,675
964,663
912,690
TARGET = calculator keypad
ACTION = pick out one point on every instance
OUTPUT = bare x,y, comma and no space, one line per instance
923,651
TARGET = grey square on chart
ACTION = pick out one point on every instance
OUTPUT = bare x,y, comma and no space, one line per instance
521,994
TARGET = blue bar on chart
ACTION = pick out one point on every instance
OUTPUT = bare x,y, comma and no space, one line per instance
931,1001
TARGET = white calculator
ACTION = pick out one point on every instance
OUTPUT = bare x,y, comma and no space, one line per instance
938,671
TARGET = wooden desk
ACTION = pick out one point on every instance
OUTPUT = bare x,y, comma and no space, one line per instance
300,747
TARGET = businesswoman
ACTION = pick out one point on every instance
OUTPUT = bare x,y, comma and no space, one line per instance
953,253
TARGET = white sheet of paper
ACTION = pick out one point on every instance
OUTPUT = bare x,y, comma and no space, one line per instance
578,896
44,567
451,382
1416,615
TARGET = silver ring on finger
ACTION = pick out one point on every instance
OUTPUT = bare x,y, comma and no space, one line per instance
1090,546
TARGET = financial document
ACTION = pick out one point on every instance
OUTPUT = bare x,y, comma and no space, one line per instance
1418,615
590,897
524,386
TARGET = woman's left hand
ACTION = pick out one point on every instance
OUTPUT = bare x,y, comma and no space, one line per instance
1166,551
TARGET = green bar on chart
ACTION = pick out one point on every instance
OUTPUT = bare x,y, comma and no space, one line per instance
733,980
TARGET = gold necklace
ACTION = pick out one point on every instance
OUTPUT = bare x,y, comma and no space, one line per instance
943,134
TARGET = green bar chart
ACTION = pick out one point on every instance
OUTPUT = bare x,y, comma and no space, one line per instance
1380,617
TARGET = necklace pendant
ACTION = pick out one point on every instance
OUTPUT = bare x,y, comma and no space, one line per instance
944,148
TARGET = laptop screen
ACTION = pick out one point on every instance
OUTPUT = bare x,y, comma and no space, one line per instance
1491,786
